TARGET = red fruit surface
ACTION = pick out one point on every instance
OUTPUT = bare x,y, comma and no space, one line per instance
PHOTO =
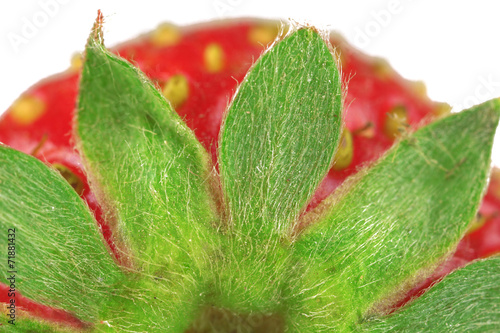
212,59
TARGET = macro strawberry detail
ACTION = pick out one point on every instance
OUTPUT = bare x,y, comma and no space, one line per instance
203,247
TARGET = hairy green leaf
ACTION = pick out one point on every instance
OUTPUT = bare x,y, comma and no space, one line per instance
57,255
28,324
398,218
467,300
167,303
146,165
280,134
154,179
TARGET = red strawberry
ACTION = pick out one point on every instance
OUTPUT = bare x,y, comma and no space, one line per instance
198,69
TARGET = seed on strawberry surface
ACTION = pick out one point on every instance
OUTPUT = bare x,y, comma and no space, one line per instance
213,57
176,90
396,122
27,109
76,62
343,156
165,34
263,34
72,179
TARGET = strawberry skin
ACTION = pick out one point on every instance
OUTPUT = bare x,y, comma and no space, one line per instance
198,69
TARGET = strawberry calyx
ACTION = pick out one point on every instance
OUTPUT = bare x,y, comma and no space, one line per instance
368,129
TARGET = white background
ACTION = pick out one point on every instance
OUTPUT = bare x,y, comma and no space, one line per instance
453,46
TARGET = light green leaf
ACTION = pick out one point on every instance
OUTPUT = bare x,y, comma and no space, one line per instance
398,218
154,304
28,324
467,300
150,172
58,257
280,133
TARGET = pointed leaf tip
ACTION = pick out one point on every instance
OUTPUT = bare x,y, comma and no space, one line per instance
280,134
151,171
153,179
97,34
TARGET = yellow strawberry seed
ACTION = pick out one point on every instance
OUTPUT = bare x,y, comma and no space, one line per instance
72,179
263,34
27,109
213,57
344,154
176,90
76,61
396,122
165,34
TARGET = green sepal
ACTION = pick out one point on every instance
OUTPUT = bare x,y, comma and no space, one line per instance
280,134
395,221
252,279
150,173
28,324
58,257
168,303
467,300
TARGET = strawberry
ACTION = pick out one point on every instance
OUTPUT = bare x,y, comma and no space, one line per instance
198,69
